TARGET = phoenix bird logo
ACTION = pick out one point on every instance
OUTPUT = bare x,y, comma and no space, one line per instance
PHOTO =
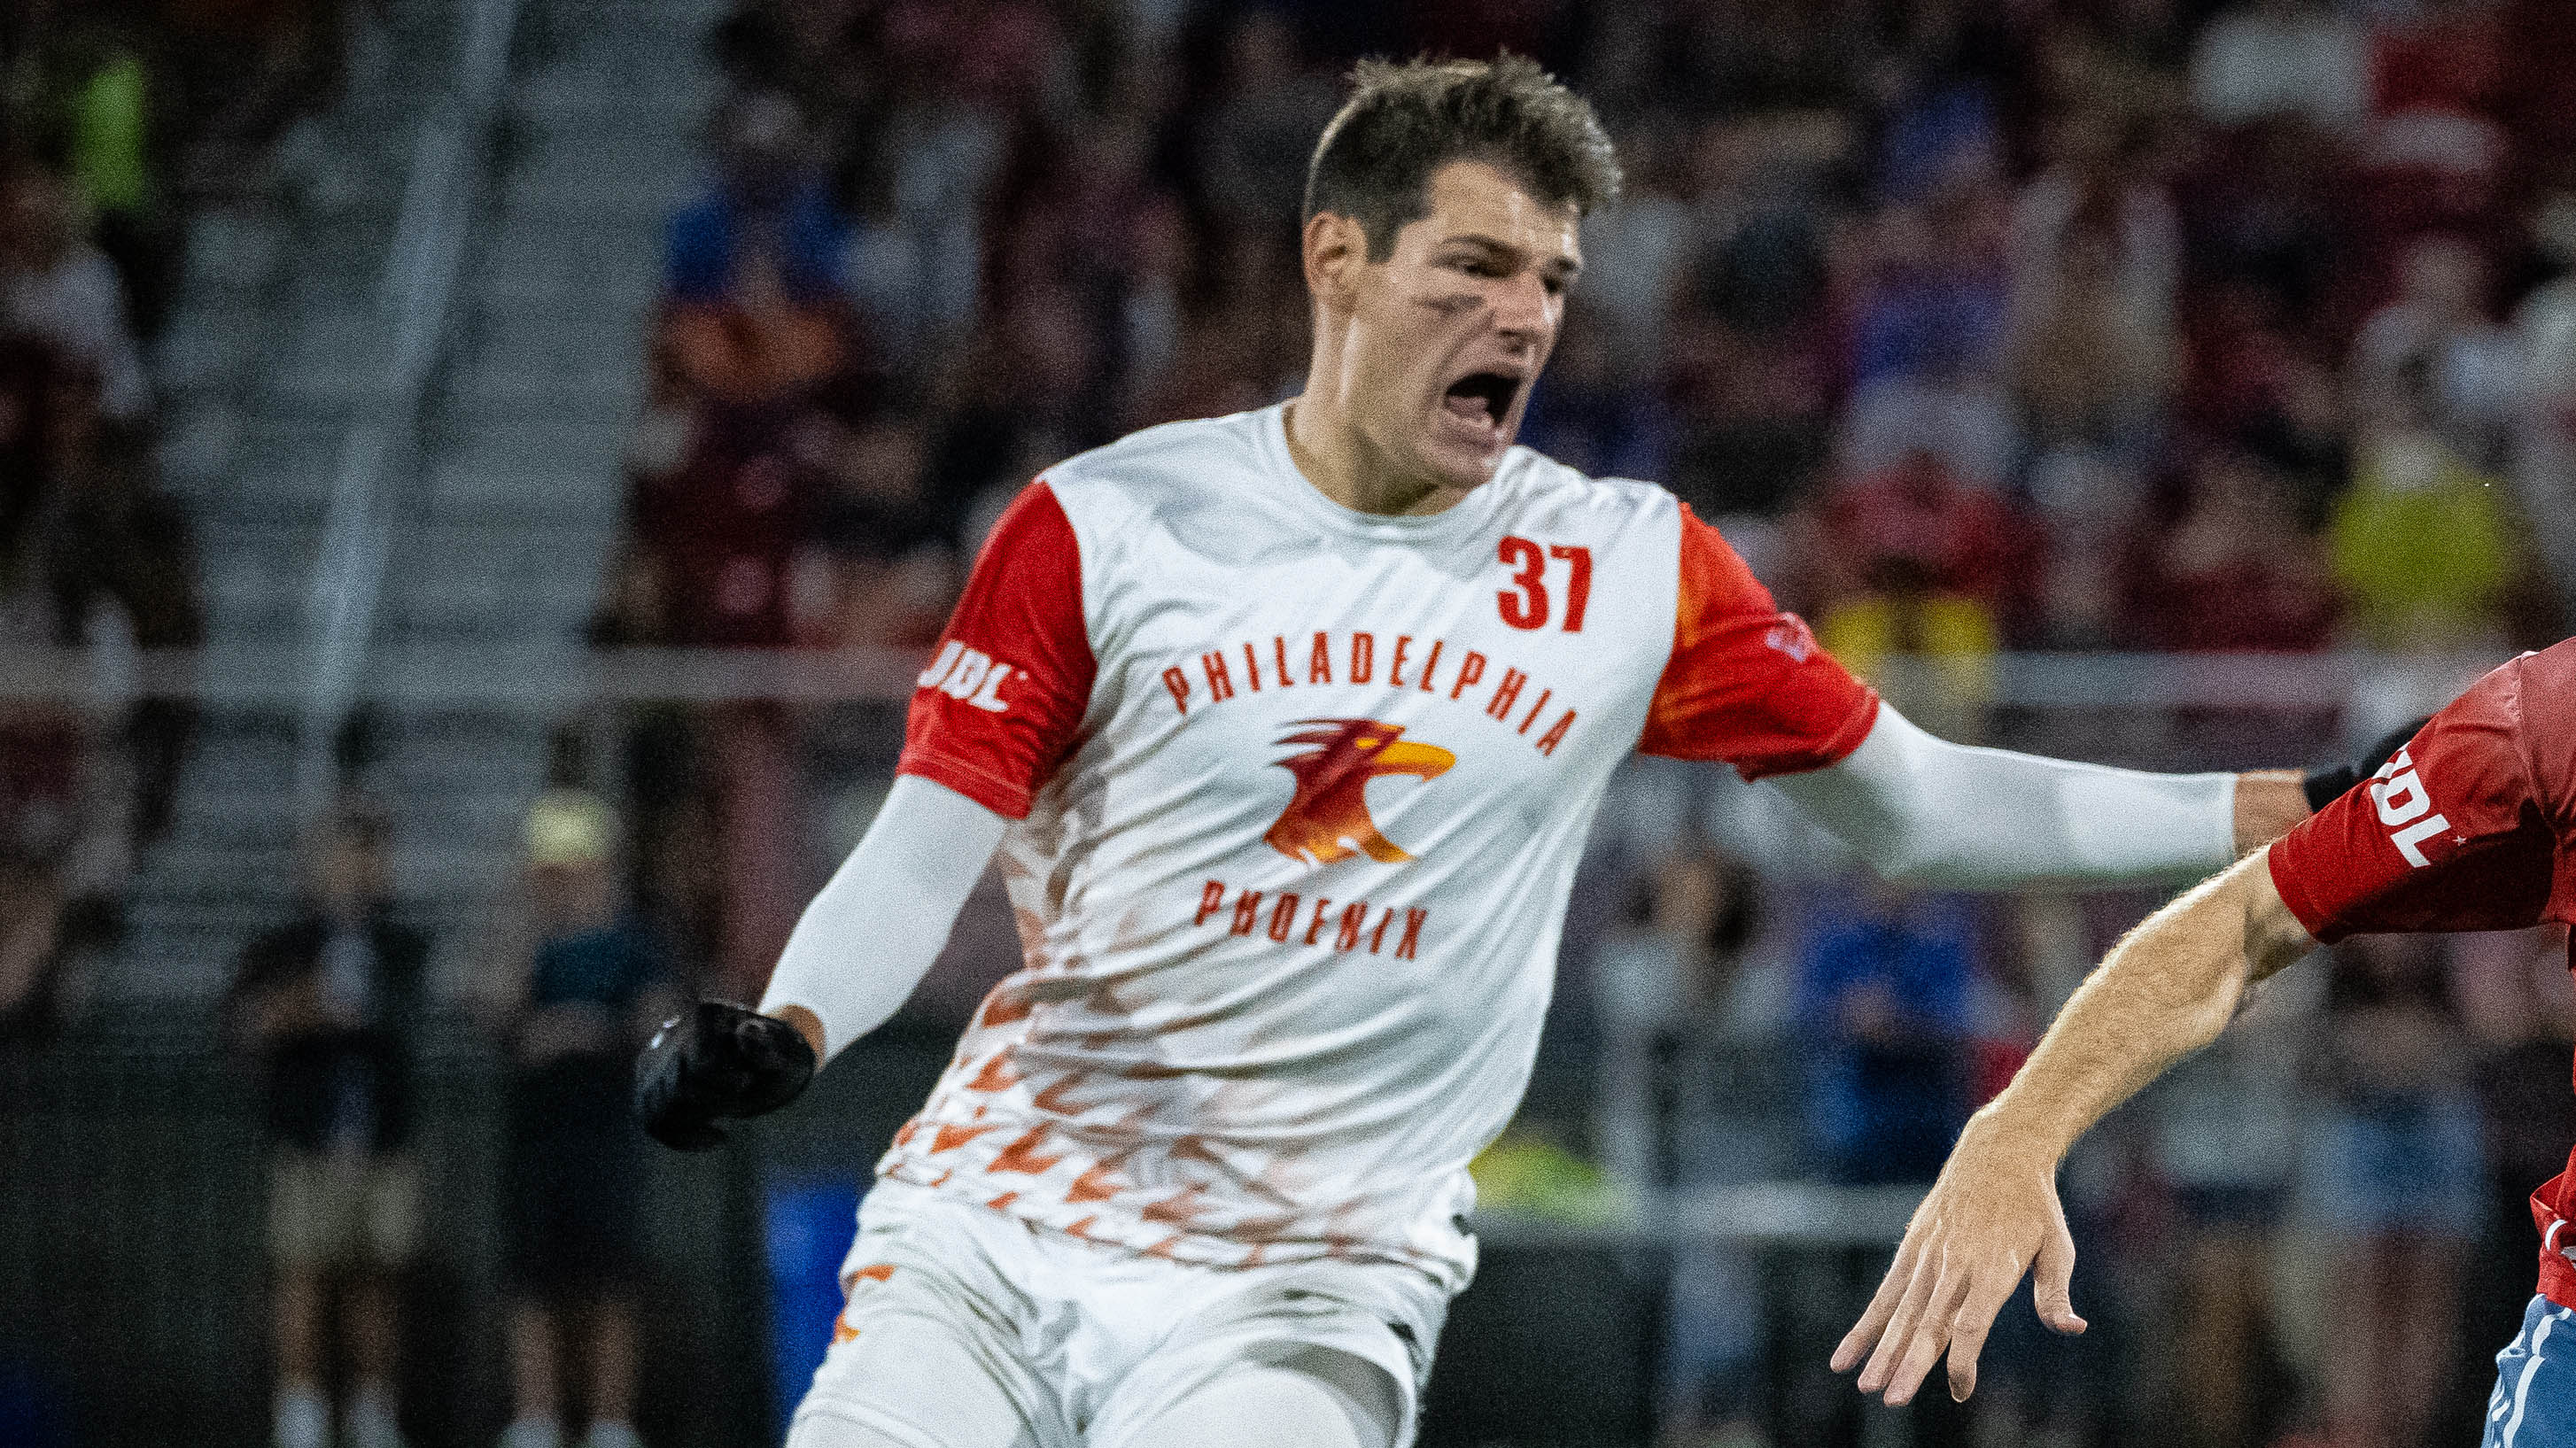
1328,819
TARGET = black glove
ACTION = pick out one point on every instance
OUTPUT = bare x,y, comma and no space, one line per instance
716,1059
2325,786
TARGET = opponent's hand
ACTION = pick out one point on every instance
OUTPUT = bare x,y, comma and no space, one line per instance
716,1059
2324,786
1993,1213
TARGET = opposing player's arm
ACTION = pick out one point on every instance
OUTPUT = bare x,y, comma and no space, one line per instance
2167,990
2452,832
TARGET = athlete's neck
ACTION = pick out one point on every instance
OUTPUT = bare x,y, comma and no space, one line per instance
1328,447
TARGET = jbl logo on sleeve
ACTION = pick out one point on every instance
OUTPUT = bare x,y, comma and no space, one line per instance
969,676
2405,808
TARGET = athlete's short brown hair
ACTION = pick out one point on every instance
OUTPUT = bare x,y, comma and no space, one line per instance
1404,122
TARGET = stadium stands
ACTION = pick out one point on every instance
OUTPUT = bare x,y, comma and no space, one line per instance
2015,346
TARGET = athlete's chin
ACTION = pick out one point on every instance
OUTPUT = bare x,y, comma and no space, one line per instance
1464,463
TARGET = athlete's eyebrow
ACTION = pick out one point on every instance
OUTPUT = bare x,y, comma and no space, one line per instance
1562,266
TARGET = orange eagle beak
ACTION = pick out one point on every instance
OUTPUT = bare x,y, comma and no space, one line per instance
1404,756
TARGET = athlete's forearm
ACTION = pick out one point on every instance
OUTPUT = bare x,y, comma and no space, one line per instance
2269,804
2165,991
870,935
1924,811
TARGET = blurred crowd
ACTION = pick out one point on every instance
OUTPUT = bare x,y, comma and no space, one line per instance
2070,325
2309,1237
114,115
2067,324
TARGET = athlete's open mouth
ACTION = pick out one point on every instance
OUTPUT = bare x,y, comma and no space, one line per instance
1482,398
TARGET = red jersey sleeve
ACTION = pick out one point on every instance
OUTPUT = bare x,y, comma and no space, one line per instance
1002,700
1746,683
2453,833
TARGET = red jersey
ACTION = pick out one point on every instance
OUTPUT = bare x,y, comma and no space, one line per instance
2472,826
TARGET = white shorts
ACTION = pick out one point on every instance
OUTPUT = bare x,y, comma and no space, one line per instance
969,1328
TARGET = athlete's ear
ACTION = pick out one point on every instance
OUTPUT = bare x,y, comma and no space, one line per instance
1336,246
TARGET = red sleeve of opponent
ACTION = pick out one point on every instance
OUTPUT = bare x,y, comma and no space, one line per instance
2448,836
998,708
1747,683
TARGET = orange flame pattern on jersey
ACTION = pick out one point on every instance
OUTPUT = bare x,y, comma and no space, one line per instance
1328,817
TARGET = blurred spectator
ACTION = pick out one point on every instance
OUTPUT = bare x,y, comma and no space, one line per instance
2272,207
329,1002
1941,129
1964,538
2102,177
2518,1000
41,742
636,604
2394,1177
1664,985
121,561
1883,998
2423,542
1937,298
2282,58
31,919
2089,366
755,313
2236,571
1254,143
1088,271
873,569
1930,651
2225,1139
576,1001
918,251
1911,564
1586,416
57,286
1635,251
2435,156
2435,334
1667,986
2544,432
2089,505
768,223
1750,364
1930,332
715,534
104,101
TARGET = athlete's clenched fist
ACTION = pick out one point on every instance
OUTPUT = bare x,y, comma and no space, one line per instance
716,1059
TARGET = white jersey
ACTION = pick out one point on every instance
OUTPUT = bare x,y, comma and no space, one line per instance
1300,793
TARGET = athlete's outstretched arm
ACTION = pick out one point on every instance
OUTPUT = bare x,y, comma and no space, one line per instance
2166,990
1924,811
870,935
857,952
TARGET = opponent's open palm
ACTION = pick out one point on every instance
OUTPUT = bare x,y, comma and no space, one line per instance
1993,1213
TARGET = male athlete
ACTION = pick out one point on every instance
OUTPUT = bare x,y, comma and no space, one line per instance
2472,826
1288,728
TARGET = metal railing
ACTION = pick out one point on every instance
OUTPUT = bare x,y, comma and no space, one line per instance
415,301
538,681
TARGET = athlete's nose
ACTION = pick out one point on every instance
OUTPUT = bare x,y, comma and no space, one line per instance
1524,311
